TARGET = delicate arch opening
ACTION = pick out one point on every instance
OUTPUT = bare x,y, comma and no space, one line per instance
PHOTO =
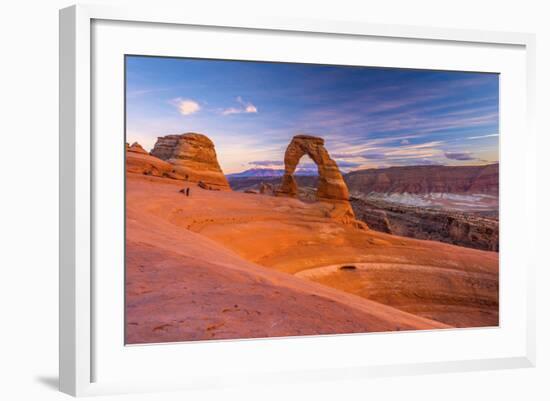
331,184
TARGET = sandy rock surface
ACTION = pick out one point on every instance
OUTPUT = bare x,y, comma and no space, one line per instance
190,260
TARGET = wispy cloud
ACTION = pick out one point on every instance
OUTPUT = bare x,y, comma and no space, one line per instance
346,164
408,154
186,107
373,155
482,136
245,107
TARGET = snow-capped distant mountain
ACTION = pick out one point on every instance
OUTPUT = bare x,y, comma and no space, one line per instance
270,172
258,172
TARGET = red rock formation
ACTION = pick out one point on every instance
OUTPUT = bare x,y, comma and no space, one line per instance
486,181
331,186
426,179
193,157
140,162
136,148
472,230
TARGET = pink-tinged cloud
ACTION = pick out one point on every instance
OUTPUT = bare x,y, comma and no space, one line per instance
186,107
245,107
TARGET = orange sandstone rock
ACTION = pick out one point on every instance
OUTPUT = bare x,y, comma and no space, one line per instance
331,186
193,157
136,148
140,162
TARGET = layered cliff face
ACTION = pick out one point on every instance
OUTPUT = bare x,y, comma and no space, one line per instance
453,204
486,182
193,157
140,162
472,230
426,179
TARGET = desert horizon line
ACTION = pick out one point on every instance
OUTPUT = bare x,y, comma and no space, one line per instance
298,169
276,164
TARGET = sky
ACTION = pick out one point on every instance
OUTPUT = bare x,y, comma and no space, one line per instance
369,117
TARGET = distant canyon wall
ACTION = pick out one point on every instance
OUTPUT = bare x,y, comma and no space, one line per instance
426,179
472,230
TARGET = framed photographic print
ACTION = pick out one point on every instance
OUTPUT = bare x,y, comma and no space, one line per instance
238,196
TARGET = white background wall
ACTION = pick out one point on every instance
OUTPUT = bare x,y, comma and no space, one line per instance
29,185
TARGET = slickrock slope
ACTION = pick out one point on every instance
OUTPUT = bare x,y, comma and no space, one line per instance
193,157
426,179
181,285
192,259
172,296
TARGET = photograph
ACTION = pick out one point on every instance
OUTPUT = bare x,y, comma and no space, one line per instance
266,201
275,199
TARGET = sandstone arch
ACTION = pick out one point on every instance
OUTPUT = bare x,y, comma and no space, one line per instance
331,186
331,183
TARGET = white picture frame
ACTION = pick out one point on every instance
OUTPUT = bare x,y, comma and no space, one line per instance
78,318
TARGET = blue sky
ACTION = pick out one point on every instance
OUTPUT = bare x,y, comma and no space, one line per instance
369,117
